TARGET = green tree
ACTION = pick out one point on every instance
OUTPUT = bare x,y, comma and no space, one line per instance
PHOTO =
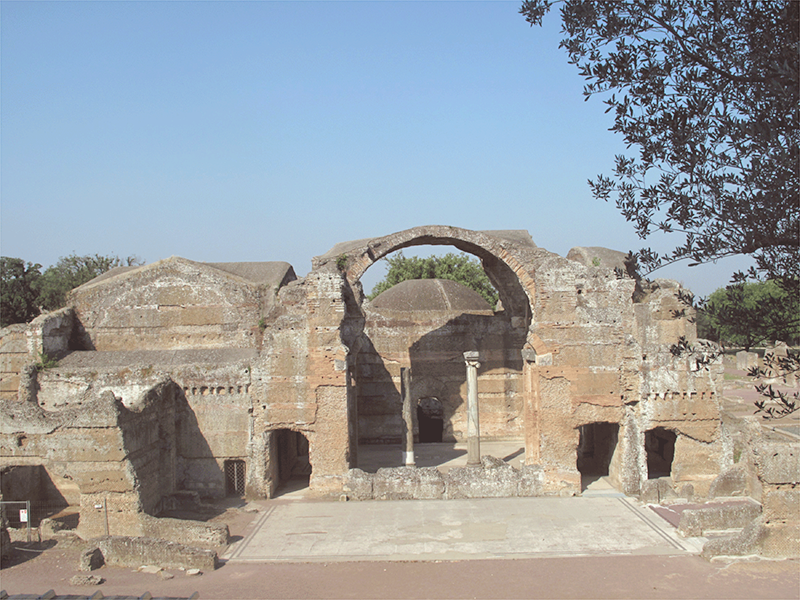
748,314
73,270
19,290
456,267
708,92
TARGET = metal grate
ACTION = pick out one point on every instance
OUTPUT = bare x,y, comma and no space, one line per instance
234,477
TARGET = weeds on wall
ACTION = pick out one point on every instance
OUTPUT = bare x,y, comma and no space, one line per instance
45,362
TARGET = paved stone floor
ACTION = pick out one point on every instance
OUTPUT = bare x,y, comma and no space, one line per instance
302,530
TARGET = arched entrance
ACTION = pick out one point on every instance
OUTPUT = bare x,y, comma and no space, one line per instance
596,446
289,461
500,338
659,445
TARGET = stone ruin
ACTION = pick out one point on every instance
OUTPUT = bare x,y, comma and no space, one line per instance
230,378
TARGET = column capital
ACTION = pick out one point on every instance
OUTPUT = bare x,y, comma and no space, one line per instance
472,358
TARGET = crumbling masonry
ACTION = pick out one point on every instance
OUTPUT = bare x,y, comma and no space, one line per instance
230,377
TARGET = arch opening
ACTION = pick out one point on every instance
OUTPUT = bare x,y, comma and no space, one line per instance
432,346
596,446
659,445
290,463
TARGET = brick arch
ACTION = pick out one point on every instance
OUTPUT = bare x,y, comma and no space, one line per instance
490,249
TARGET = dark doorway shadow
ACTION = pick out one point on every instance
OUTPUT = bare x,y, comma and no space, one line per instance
659,444
290,461
596,447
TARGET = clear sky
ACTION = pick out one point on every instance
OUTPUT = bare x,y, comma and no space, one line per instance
250,131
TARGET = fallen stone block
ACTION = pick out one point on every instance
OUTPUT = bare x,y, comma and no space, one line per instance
408,483
358,485
185,531
654,491
493,479
138,551
744,543
90,559
731,482
86,580
150,569
718,516
48,528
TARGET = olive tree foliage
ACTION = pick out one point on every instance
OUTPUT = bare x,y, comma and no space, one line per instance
749,314
706,94
19,290
71,271
456,267
26,291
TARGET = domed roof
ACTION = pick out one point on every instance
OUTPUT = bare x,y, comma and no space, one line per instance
430,295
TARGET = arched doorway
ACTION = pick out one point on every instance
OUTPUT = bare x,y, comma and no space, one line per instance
596,446
659,445
289,461
500,336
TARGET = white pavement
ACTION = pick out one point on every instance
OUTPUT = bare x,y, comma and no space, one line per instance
429,530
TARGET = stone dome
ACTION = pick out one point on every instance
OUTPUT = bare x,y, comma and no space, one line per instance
431,295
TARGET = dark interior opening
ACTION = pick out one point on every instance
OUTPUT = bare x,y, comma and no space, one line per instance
659,444
430,417
234,478
596,446
294,464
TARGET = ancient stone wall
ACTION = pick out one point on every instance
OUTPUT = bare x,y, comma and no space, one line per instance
594,354
432,344
678,393
779,473
114,461
169,370
171,304
13,356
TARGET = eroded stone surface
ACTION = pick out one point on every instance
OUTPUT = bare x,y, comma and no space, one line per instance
220,378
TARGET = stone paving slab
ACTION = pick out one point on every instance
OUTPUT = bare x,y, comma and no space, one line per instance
306,531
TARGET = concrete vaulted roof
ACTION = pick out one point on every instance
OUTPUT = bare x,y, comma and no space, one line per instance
269,273
430,295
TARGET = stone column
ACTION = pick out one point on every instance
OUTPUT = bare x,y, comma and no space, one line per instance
531,381
473,422
408,417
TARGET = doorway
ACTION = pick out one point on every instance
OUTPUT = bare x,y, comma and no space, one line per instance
659,444
292,461
430,417
596,445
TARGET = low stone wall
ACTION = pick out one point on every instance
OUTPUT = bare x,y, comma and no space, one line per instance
718,516
779,472
138,551
13,356
493,479
189,532
771,474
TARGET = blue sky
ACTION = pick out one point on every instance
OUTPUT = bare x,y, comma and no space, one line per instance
248,131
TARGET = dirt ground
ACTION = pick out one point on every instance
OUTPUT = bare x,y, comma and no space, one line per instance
669,577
